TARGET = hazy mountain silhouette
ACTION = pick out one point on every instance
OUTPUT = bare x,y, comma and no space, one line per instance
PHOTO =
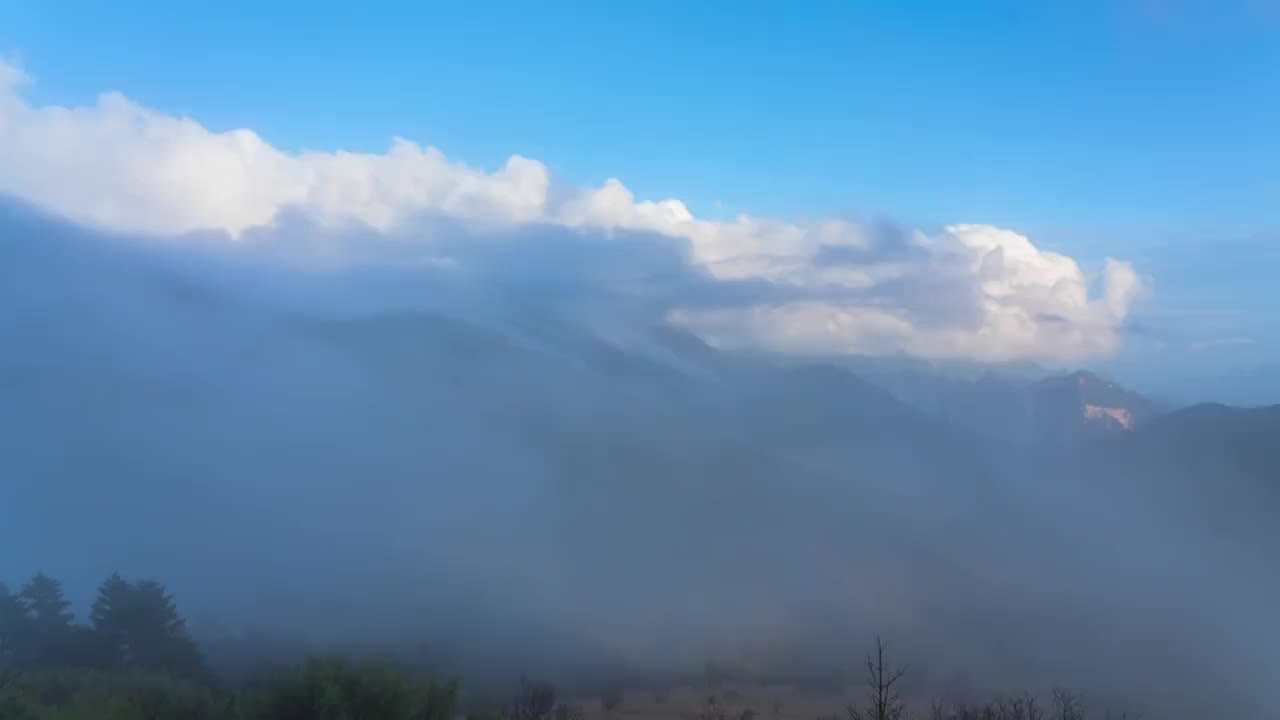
648,499
1020,403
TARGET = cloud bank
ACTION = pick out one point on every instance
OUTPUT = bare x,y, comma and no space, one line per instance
833,286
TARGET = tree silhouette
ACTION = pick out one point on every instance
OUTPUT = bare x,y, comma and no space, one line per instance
140,624
109,616
160,639
884,702
45,603
14,628
49,622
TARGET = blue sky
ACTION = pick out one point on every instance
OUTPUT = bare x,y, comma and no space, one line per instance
1139,129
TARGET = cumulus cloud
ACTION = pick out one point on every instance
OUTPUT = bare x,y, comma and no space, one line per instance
836,285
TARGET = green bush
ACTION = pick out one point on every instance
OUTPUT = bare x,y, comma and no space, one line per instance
95,695
331,689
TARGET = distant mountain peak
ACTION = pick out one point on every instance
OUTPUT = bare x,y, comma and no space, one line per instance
1085,401
1084,378
1080,378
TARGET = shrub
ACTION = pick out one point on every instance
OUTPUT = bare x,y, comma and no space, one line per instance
569,712
330,689
537,701
94,695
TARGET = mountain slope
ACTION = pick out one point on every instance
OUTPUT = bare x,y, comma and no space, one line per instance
1048,410
1084,403
652,500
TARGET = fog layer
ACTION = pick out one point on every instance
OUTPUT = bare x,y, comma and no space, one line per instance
508,457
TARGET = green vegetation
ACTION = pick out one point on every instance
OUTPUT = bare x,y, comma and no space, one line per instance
135,660
335,690
132,627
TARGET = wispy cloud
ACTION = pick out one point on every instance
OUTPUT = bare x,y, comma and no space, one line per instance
1217,343
834,285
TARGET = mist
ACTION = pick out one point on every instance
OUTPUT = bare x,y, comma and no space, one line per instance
497,446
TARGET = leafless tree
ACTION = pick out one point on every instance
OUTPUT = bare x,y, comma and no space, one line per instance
1068,705
569,712
1025,707
537,701
1019,708
884,701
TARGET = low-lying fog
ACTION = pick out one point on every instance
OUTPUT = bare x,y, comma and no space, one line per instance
505,458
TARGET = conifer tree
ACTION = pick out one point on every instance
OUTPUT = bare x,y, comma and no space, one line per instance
49,619
14,628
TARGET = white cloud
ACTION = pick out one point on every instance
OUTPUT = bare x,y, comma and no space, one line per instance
969,291
122,166
1216,343
12,77
1121,287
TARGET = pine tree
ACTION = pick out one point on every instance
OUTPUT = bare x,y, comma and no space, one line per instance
159,637
141,625
14,628
46,605
49,621
111,617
